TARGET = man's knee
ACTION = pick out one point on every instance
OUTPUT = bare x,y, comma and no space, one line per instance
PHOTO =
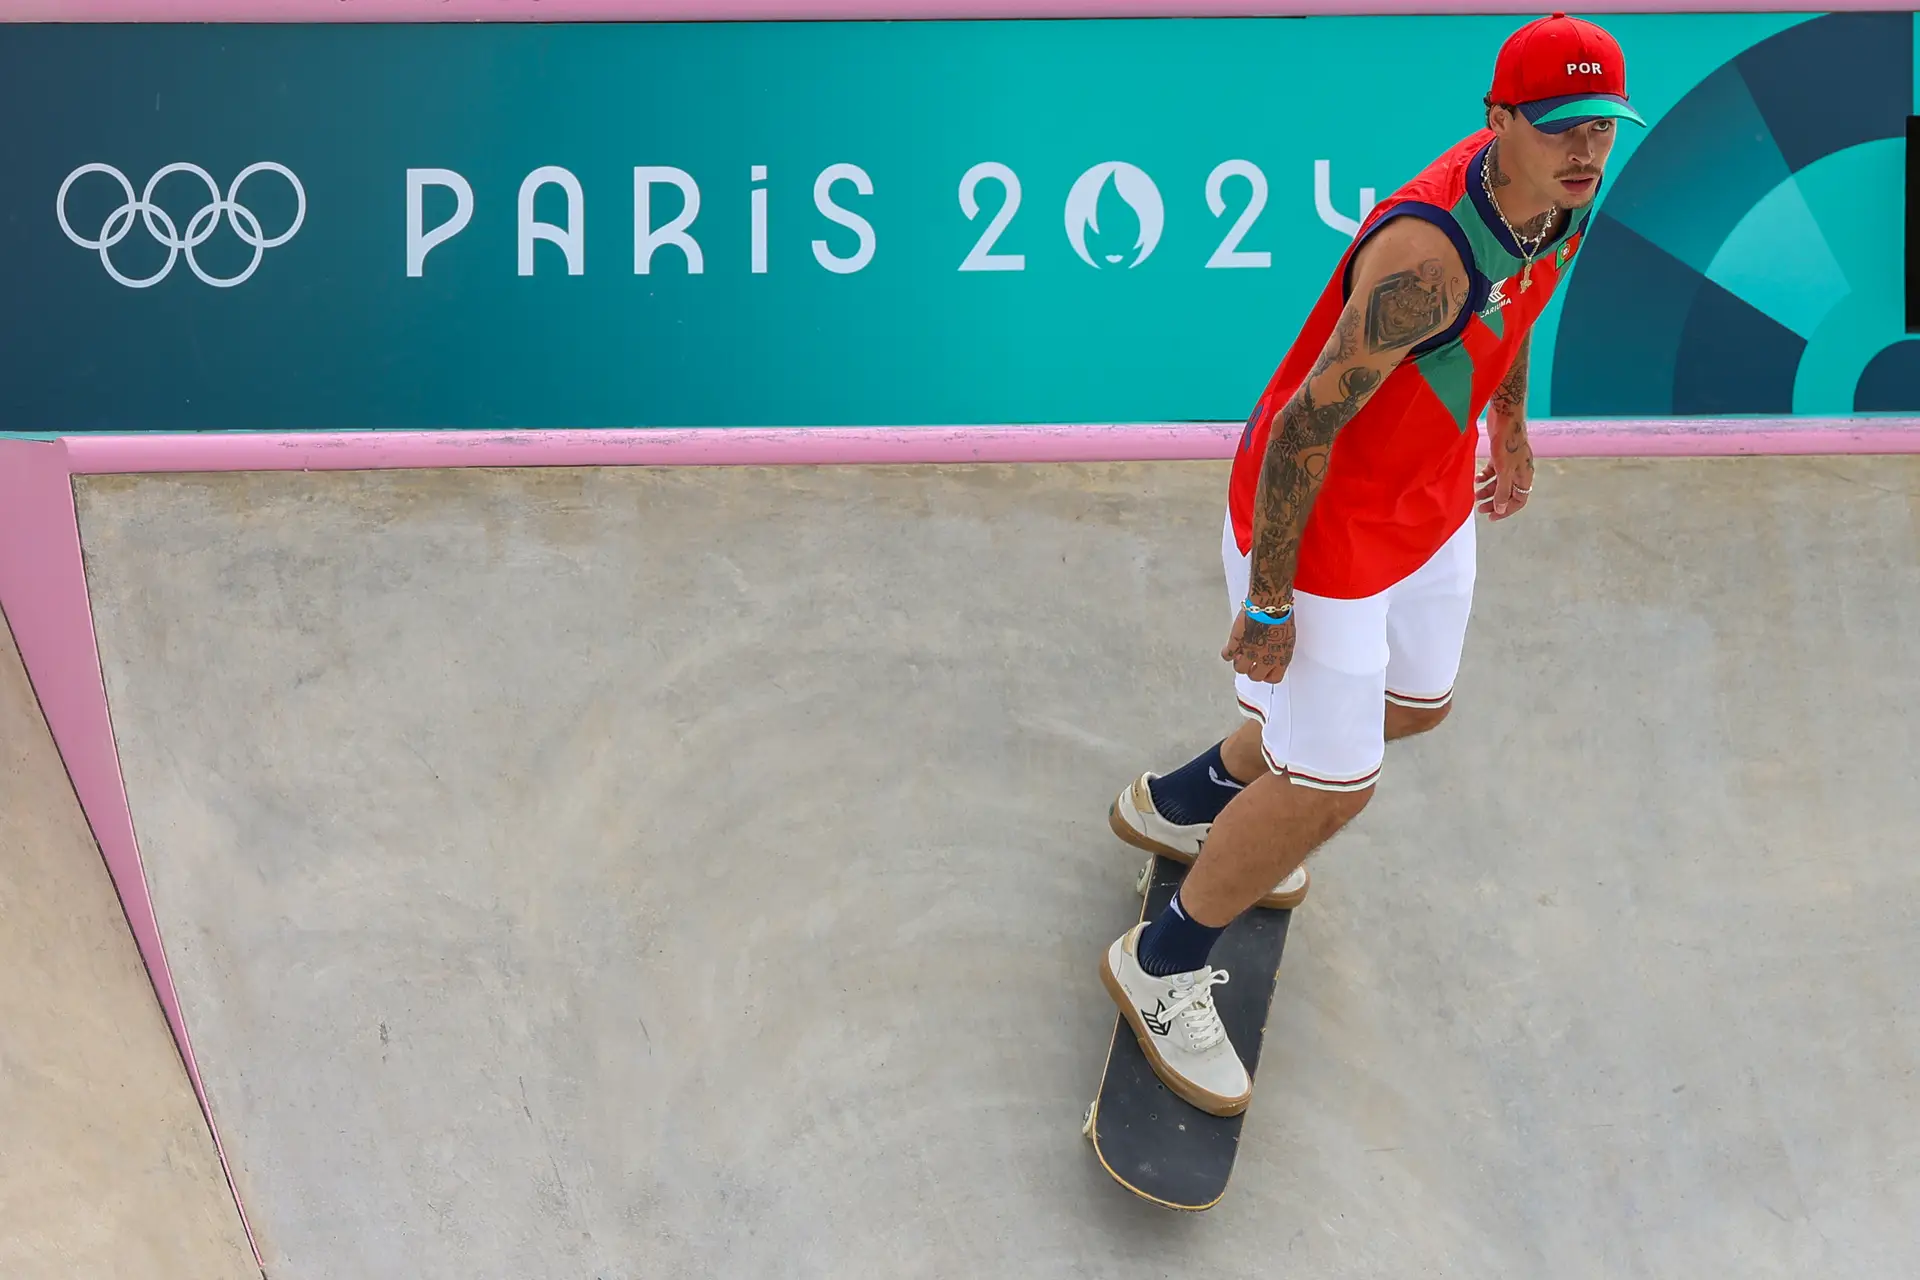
1404,721
1329,808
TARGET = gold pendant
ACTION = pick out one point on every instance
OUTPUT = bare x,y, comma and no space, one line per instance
1526,278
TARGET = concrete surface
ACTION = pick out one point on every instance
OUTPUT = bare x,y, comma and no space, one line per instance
107,1171
607,874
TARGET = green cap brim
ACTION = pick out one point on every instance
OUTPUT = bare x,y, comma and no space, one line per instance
1568,112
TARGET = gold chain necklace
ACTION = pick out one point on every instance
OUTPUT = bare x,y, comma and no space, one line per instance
1527,255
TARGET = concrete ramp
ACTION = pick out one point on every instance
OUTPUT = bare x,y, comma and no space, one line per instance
107,1171
605,874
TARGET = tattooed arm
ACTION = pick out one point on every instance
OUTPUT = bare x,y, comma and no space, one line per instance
1503,484
1408,284
1509,403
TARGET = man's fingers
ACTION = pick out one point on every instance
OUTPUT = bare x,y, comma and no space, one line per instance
1234,633
1265,670
1502,494
1515,503
1519,488
1253,667
1499,494
1259,658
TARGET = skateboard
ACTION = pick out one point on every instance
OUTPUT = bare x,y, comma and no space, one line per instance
1153,1142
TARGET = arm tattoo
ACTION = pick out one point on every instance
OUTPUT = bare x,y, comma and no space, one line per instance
1290,476
1407,306
1510,397
1400,310
1346,342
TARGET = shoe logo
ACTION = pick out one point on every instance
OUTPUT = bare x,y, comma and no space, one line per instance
1219,781
1155,1023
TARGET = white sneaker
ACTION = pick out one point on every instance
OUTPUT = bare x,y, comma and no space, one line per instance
1177,1026
1135,820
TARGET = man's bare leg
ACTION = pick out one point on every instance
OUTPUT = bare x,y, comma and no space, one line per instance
1404,722
1241,752
1271,826
1156,971
1257,841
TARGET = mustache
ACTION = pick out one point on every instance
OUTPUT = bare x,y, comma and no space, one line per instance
1579,171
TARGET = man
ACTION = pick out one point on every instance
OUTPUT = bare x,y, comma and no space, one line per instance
1349,538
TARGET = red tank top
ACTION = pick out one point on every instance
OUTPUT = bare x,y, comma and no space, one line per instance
1399,479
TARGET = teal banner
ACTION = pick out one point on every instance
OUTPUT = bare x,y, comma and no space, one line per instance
287,227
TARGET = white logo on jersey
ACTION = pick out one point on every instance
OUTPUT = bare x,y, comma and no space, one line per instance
1496,299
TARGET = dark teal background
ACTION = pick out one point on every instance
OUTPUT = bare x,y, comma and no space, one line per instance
331,332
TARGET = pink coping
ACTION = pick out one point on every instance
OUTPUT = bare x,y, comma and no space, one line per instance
839,446
43,593
769,10
43,588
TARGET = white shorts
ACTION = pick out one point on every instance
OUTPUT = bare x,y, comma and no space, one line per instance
1323,725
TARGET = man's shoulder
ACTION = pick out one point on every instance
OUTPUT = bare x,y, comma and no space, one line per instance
1410,282
1407,244
1405,234
1419,217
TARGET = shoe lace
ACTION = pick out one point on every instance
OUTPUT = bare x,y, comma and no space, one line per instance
1194,1007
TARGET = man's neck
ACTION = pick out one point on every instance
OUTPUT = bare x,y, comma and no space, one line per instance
1530,217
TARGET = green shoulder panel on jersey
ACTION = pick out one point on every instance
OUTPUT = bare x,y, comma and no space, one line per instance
1489,256
1448,373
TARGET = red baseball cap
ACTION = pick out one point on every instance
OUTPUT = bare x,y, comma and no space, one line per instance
1560,72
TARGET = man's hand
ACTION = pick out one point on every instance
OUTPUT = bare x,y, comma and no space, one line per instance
1507,479
1407,285
1259,650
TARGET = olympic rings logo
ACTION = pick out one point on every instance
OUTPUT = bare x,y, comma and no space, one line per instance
200,228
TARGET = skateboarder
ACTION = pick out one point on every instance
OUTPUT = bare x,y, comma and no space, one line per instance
1349,537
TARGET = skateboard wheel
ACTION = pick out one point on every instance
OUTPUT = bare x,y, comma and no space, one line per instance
1086,1126
1145,878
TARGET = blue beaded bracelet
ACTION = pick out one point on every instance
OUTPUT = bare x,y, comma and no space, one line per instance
1257,614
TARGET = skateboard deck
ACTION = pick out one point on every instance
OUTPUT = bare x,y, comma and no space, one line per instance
1152,1141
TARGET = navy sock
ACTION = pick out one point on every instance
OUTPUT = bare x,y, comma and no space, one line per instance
1175,943
1197,791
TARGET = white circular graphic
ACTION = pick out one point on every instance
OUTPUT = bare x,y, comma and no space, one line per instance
200,227
1134,187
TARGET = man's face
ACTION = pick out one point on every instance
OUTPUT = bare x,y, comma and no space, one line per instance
1561,168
